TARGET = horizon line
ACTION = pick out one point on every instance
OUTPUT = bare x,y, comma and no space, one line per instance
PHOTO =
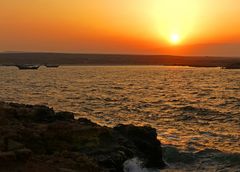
121,54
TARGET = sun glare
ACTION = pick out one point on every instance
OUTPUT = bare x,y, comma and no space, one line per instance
175,38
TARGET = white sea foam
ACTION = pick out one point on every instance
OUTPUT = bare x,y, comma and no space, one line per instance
135,165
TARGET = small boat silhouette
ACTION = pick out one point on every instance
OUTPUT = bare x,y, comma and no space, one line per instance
28,67
52,65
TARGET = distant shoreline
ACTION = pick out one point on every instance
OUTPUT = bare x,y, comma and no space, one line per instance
7,59
127,65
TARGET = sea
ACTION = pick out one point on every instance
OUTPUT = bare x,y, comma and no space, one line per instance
196,111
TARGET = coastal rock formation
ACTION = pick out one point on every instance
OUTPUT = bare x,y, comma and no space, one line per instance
35,138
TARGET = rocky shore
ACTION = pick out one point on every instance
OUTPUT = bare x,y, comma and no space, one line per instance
36,139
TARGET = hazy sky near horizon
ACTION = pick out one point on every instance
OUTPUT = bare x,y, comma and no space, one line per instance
184,27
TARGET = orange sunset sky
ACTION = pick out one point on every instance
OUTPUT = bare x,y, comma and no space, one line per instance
183,27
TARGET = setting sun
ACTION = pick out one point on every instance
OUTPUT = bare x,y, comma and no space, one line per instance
129,27
175,38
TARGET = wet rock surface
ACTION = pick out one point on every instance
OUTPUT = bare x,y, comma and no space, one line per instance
35,138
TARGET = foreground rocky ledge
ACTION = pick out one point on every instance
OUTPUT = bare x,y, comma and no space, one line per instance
35,138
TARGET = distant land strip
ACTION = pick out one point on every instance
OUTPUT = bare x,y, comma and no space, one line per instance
114,59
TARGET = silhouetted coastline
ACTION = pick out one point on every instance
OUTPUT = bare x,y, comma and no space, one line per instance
10,59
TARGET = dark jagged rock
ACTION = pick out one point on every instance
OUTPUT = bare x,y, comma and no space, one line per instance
7,157
144,138
32,135
64,116
23,154
27,113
